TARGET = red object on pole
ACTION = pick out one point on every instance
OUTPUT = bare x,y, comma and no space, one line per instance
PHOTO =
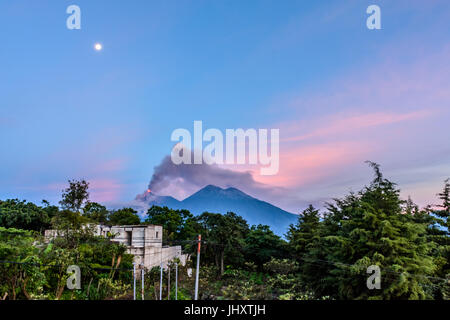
199,242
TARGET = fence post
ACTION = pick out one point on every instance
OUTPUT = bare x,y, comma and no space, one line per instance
134,281
142,279
198,266
176,281
160,282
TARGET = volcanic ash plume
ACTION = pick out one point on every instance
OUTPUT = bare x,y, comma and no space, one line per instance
184,179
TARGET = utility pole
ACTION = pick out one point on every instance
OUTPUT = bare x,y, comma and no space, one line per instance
168,285
198,266
142,279
176,281
134,281
160,282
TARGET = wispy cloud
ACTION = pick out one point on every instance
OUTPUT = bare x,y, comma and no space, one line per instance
340,124
106,190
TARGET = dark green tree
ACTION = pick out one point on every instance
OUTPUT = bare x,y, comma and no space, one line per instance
371,228
24,215
304,243
225,237
19,280
68,220
441,236
283,280
179,225
261,244
445,197
125,216
95,212
305,233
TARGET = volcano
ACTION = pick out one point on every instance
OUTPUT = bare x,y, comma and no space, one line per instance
154,199
218,200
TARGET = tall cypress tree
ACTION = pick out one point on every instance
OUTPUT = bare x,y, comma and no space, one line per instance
445,197
303,235
371,228
307,249
442,238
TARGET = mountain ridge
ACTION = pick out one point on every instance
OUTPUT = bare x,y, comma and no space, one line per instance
215,199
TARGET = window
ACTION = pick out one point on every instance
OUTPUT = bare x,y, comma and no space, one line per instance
129,237
156,234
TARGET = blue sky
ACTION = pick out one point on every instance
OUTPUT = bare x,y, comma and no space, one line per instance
310,68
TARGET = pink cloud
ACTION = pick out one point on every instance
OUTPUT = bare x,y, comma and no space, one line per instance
112,165
339,124
105,190
304,165
100,190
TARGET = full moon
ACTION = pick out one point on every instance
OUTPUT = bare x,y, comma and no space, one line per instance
98,46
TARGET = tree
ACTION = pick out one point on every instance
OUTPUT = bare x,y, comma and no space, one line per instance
75,195
95,212
445,197
23,278
51,210
284,278
178,225
370,228
66,220
125,216
410,207
304,243
261,244
24,215
441,236
225,237
305,233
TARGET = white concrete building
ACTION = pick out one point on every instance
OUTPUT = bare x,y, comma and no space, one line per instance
144,242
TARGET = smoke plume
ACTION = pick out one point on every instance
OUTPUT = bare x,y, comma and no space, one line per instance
182,180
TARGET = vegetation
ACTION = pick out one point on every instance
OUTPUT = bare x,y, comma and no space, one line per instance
325,255
126,216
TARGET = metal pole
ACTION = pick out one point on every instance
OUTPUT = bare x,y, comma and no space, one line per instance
134,281
160,282
176,281
168,286
142,285
198,266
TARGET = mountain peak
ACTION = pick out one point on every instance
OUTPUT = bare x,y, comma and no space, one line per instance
215,199
212,190
211,187
233,189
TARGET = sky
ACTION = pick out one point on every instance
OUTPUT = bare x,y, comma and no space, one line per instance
340,94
